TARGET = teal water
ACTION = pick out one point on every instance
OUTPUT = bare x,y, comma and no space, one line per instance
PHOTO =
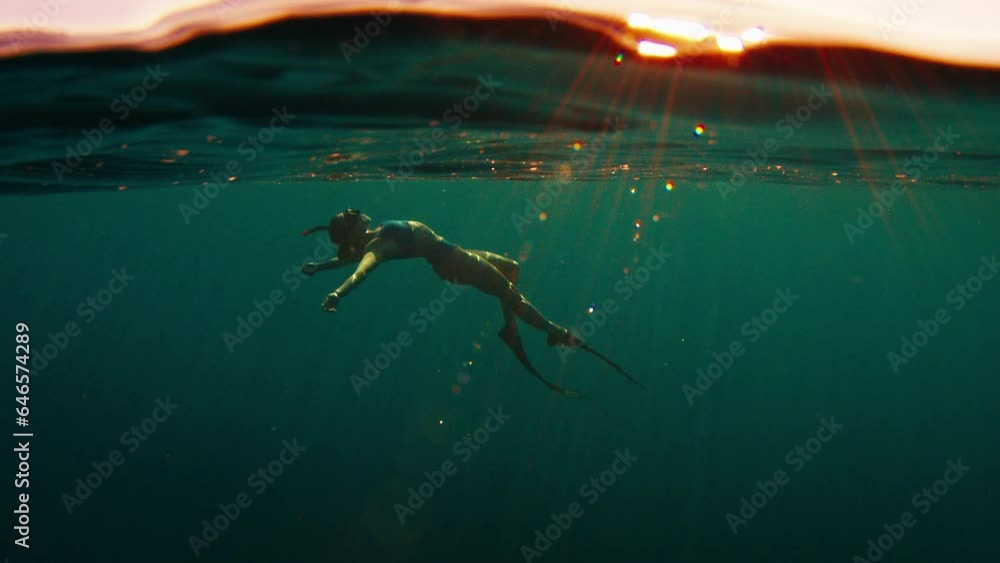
200,262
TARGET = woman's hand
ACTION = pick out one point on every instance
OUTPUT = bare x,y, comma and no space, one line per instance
331,302
310,268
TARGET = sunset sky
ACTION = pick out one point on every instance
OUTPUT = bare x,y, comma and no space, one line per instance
954,30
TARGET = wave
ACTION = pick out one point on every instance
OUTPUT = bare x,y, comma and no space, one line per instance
361,108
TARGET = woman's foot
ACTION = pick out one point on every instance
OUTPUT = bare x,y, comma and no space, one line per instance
563,337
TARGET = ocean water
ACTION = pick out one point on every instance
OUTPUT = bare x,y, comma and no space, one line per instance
795,254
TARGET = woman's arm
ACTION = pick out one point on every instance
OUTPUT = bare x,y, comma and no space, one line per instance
310,268
369,262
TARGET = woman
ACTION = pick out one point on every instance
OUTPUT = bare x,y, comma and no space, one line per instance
488,272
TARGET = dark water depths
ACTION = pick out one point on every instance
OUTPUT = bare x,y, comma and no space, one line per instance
240,142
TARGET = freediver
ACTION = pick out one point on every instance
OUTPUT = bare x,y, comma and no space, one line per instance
488,272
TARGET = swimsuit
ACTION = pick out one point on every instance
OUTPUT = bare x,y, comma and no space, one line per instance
401,233
441,254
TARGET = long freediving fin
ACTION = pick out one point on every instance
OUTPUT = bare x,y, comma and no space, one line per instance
608,361
516,347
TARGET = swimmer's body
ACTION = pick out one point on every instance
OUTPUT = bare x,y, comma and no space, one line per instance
488,272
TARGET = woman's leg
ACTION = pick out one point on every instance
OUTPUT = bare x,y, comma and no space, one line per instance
475,269
511,270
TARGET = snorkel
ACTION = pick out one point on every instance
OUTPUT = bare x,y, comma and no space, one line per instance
343,229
